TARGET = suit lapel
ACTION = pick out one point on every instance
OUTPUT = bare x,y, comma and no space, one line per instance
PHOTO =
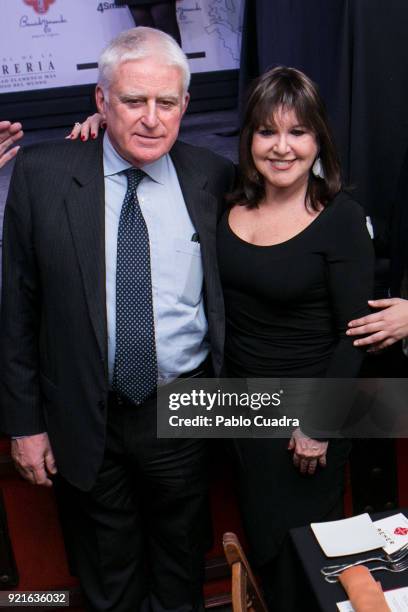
203,208
85,206
201,205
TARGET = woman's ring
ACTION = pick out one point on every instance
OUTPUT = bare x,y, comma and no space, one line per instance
315,448
77,124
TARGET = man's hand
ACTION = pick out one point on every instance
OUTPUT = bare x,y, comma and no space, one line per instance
9,134
307,453
385,327
34,459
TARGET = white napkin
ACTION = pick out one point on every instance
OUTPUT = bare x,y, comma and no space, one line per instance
348,536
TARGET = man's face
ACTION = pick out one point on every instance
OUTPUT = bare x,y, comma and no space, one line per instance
144,108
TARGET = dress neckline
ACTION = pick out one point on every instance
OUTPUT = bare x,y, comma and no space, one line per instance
277,244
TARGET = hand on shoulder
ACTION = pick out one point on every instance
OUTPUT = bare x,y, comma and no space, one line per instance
87,129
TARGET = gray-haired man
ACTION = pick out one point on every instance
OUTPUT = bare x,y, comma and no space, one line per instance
103,300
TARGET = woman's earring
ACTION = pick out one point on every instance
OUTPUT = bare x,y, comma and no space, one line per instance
317,168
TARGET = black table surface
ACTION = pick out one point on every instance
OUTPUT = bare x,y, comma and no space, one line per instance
313,559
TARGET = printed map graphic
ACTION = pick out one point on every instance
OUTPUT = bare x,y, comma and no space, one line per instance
218,21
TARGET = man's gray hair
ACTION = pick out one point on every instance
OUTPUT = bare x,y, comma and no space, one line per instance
140,43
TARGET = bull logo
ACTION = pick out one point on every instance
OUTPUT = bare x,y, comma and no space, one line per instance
401,531
40,6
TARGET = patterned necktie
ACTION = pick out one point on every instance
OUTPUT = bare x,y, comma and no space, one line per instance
135,369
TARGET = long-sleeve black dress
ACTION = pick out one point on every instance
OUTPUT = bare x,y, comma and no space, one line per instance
287,309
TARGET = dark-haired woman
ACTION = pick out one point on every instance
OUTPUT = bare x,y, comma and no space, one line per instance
160,14
296,265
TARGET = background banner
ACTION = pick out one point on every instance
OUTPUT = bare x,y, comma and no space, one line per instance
56,43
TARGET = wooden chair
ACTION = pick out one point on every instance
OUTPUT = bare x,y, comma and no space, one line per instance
246,596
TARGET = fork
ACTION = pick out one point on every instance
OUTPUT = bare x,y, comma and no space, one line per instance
395,566
398,555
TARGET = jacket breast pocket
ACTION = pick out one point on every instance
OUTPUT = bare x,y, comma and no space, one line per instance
189,271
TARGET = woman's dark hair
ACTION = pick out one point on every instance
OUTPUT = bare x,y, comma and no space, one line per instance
289,89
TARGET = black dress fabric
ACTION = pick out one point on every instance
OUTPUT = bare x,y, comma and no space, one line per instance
288,305
287,308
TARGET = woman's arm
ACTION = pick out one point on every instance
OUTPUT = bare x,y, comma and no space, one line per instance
350,268
350,280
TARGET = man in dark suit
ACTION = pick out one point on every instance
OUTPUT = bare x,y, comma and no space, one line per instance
109,249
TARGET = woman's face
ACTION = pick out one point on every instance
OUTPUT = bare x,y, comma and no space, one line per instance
284,151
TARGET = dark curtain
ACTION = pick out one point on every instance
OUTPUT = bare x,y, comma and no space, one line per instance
356,50
304,34
399,231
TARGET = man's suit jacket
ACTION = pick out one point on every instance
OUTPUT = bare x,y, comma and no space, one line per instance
53,334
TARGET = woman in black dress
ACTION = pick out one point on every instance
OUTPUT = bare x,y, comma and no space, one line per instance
296,265
160,14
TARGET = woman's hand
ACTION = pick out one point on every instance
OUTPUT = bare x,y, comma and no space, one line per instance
307,453
9,134
88,129
384,328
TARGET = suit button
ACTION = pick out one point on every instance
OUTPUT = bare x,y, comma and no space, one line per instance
101,405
